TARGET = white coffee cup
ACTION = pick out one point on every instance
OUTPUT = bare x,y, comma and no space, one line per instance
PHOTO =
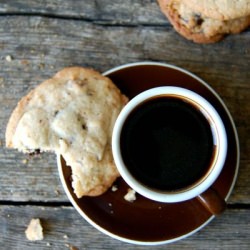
219,138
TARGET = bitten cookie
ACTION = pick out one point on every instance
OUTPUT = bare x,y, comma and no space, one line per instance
220,9
197,27
72,114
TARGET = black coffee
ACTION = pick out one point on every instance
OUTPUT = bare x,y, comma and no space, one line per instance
167,144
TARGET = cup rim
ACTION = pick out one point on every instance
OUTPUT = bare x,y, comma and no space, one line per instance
220,139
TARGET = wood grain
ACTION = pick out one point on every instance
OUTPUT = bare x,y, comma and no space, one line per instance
63,227
118,12
29,40
38,38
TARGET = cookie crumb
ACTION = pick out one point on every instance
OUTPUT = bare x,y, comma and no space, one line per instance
8,58
48,244
41,66
57,192
25,62
25,161
130,196
114,188
73,248
65,236
34,230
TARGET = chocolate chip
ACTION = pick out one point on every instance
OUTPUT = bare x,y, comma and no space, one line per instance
198,19
35,152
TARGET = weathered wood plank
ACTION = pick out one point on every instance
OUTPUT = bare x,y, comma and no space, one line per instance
40,46
128,12
42,37
25,178
63,226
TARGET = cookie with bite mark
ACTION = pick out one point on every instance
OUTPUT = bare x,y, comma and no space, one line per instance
71,114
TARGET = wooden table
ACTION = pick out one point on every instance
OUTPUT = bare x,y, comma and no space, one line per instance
38,38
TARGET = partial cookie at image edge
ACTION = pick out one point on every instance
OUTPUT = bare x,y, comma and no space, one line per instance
199,28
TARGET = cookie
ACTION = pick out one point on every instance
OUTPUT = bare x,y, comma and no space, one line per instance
197,27
220,9
71,114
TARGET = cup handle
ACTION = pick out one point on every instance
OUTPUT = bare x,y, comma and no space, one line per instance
212,201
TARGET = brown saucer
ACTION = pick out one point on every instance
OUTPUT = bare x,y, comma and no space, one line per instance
144,221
